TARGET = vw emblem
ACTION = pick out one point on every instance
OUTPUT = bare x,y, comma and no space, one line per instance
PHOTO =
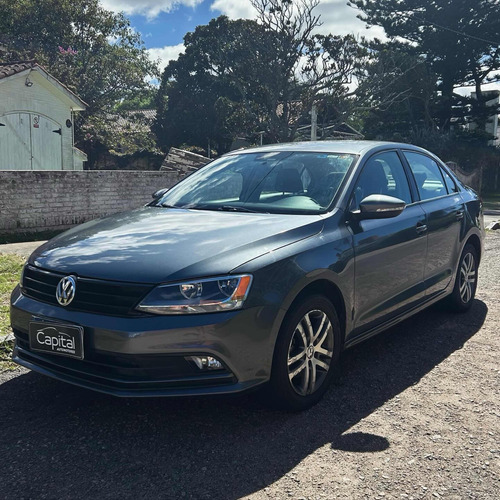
66,290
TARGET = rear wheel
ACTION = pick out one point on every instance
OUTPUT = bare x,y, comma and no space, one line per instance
306,355
464,290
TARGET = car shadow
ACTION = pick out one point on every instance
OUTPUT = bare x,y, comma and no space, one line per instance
60,441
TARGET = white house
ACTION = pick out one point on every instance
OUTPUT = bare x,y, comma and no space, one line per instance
37,120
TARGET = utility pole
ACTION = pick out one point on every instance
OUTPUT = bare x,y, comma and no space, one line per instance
314,123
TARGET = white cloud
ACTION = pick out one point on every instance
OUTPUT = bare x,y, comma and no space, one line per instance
148,8
234,9
337,17
166,54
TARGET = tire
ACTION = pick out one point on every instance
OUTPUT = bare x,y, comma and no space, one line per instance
464,290
301,374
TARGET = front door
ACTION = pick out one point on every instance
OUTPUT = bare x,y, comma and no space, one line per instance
389,253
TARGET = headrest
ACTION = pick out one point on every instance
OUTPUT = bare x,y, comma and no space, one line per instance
288,181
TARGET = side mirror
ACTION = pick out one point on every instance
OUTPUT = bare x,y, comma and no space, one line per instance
380,206
158,194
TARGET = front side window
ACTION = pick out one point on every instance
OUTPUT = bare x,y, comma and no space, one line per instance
383,174
274,182
427,175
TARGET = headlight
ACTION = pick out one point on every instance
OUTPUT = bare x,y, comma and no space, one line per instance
200,296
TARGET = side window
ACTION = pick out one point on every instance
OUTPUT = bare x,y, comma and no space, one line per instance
450,183
382,174
427,174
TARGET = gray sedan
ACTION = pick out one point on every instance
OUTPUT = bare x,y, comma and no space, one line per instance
256,271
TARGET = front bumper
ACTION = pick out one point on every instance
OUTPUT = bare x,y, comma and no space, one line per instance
145,355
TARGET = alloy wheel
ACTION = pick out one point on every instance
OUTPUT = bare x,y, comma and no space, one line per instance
467,277
310,352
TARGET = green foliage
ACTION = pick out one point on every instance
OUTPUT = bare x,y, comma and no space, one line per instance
458,38
10,271
237,78
94,52
397,92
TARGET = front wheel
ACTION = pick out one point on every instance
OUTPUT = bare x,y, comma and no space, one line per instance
464,290
306,355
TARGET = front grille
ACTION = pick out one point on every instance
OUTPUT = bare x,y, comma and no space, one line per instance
92,295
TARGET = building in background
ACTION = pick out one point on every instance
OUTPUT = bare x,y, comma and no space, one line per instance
491,128
37,120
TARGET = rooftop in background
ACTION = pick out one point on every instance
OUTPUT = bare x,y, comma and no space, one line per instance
135,120
12,68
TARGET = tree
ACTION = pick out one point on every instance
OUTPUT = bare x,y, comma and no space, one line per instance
243,77
396,92
92,51
458,38
213,91
304,66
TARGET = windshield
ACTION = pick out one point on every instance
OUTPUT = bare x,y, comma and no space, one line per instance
275,182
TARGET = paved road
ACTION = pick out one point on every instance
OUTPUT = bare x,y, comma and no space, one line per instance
24,249
414,415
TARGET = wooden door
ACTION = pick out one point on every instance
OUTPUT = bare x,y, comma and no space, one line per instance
15,143
46,143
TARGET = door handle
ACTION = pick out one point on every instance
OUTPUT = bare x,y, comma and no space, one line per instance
460,215
421,228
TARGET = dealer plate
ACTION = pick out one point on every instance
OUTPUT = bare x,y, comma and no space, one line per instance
53,338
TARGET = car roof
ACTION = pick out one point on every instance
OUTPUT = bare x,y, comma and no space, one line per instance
346,147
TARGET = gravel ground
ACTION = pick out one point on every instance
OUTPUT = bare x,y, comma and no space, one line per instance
414,415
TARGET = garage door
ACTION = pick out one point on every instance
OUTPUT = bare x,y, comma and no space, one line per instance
30,142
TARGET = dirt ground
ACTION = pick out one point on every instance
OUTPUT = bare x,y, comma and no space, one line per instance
415,415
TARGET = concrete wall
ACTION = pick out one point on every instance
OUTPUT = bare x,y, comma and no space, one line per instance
39,201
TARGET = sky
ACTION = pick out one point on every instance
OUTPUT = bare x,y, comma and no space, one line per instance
163,23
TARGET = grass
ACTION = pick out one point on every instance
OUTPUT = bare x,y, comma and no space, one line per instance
10,271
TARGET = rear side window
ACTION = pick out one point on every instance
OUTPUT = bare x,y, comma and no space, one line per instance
430,182
450,184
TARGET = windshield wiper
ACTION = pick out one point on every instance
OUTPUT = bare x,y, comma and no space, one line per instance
166,205
232,208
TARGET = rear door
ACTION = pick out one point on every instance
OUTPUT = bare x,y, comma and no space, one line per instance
389,253
445,211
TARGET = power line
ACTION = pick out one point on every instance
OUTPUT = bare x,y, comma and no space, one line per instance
440,26
446,28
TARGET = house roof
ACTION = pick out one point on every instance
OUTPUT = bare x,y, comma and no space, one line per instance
10,69
16,67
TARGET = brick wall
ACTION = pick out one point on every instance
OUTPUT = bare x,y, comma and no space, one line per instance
34,201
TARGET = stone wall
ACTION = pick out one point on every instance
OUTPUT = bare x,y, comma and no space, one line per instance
40,201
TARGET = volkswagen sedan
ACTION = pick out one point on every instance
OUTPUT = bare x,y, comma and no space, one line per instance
257,270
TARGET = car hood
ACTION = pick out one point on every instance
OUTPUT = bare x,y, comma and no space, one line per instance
154,245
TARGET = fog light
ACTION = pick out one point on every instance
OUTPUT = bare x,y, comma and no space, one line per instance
206,362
